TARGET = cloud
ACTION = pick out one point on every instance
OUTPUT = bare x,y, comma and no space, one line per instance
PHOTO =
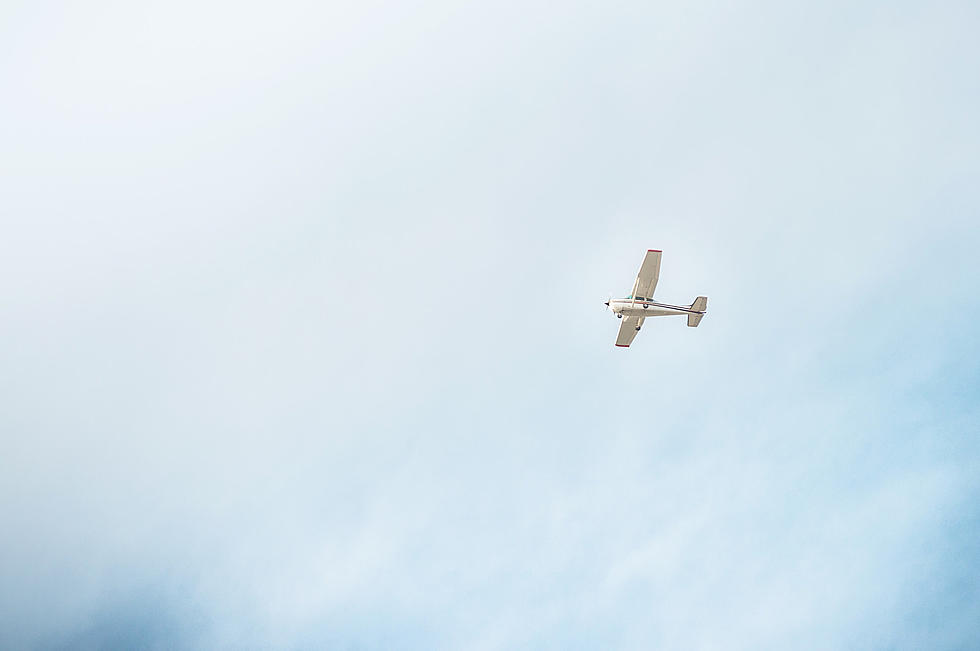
304,344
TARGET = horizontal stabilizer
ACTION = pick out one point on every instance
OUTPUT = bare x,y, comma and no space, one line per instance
700,304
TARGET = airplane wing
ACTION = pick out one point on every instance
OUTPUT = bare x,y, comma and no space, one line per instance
628,329
646,280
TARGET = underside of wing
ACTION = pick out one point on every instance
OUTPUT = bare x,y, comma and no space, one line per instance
646,280
628,329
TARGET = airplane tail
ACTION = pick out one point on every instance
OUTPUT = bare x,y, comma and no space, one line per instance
700,304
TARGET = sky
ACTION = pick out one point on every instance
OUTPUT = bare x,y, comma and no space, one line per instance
302,342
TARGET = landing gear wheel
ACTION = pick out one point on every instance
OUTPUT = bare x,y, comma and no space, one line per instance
619,316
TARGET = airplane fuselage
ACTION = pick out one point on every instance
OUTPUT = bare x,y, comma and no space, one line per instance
641,307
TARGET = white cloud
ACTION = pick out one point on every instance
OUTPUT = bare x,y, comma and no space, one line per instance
304,345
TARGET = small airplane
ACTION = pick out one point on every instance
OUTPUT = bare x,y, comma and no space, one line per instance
640,304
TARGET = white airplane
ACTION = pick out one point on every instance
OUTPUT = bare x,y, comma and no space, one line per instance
640,304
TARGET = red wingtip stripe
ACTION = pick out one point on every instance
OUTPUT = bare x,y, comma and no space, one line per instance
623,345
654,251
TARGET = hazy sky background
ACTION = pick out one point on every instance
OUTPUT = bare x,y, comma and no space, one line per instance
302,342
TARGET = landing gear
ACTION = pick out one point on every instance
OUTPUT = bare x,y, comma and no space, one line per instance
637,328
619,316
